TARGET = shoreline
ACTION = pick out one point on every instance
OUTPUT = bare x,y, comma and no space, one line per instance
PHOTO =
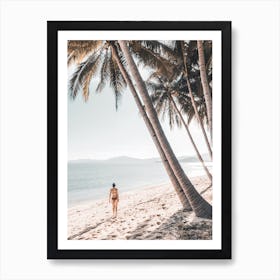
90,201
130,189
153,212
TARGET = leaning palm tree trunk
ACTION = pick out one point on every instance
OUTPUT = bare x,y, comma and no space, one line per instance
182,197
200,206
205,85
191,139
193,102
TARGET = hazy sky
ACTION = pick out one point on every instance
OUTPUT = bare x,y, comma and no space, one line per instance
97,131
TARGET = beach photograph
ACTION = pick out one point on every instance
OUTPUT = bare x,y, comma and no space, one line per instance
140,140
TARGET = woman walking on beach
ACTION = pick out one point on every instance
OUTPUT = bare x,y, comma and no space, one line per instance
114,196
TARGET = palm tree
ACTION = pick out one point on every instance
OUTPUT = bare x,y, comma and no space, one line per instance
186,75
98,60
163,93
200,206
141,109
205,85
112,68
185,101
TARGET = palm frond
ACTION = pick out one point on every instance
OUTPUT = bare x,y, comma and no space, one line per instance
161,107
152,59
120,54
78,50
178,121
104,71
84,72
153,88
161,48
86,85
117,81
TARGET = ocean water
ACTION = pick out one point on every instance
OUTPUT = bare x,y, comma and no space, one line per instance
93,180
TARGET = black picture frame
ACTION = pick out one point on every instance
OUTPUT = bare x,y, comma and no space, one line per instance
53,27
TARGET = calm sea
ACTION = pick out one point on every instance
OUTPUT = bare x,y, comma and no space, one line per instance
92,180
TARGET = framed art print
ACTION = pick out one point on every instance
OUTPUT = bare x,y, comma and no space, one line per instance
139,140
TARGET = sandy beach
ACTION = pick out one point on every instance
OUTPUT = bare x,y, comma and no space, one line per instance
149,213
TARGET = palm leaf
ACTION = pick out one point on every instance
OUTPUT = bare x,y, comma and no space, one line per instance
104,71
83,74
117,81
149,58
161,48
77,50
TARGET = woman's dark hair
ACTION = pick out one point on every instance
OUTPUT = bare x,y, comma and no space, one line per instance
113,184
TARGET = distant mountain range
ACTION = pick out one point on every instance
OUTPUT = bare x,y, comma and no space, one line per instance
131,160
194,158
121,159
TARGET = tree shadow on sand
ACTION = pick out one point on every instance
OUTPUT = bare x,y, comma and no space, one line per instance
179,226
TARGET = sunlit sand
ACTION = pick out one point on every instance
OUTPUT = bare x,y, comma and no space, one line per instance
151,213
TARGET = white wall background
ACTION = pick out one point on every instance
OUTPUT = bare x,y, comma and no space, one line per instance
255,139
